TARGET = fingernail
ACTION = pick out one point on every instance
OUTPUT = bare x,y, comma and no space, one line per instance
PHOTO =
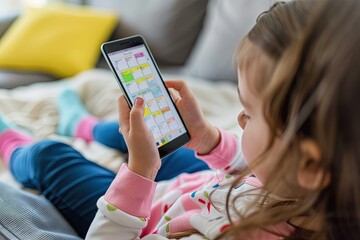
139,101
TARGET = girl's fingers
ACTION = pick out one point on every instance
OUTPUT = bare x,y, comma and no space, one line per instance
181,87
137,114
124,114
174,94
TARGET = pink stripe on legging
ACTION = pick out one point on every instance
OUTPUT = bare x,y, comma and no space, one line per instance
10,140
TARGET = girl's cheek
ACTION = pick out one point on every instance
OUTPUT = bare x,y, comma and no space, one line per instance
253,144
247,146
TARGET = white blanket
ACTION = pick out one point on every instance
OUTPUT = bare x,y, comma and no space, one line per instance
34,108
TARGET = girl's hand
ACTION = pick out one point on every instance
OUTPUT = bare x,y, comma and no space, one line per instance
144,157
204,136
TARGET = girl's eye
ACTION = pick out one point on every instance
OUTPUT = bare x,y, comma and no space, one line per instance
245,116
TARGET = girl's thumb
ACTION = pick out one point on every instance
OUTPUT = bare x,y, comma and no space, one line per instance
137,112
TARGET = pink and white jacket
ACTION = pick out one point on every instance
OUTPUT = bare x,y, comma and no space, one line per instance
135,207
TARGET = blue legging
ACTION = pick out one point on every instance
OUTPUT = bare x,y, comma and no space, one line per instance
74,184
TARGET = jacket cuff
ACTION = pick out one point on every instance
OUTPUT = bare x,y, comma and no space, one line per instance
223,154
131,192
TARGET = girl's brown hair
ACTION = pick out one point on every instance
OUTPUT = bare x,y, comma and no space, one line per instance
274,32
313,95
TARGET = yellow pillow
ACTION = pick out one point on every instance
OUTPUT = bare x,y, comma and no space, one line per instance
59,40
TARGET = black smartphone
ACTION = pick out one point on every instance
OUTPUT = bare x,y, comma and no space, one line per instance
138,75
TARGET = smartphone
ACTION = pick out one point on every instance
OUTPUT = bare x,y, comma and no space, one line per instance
137,74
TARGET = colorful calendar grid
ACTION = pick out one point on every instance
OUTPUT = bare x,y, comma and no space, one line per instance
150,122
147,95
127,76
141,81
156,133
139,55
147,111
161,102
145,68
133,87
122,64
153,106
136,72
172,123
167,113
131,61
164,128
150,77
158,116
156,91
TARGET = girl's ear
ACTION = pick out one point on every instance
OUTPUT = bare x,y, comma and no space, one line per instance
312,175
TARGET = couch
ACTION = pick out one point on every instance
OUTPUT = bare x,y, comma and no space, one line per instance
193,40
193,37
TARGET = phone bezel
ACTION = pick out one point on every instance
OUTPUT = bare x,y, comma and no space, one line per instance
133,41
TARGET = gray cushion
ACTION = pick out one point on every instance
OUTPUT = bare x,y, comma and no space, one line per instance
226,22
12,79
169,26
27,216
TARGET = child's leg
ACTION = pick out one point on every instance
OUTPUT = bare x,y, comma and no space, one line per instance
72,183
11,138
75,120
181,161
107,133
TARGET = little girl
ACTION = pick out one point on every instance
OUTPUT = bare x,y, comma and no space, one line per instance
296,191
301,143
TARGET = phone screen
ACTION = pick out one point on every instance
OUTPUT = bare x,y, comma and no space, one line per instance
139,77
